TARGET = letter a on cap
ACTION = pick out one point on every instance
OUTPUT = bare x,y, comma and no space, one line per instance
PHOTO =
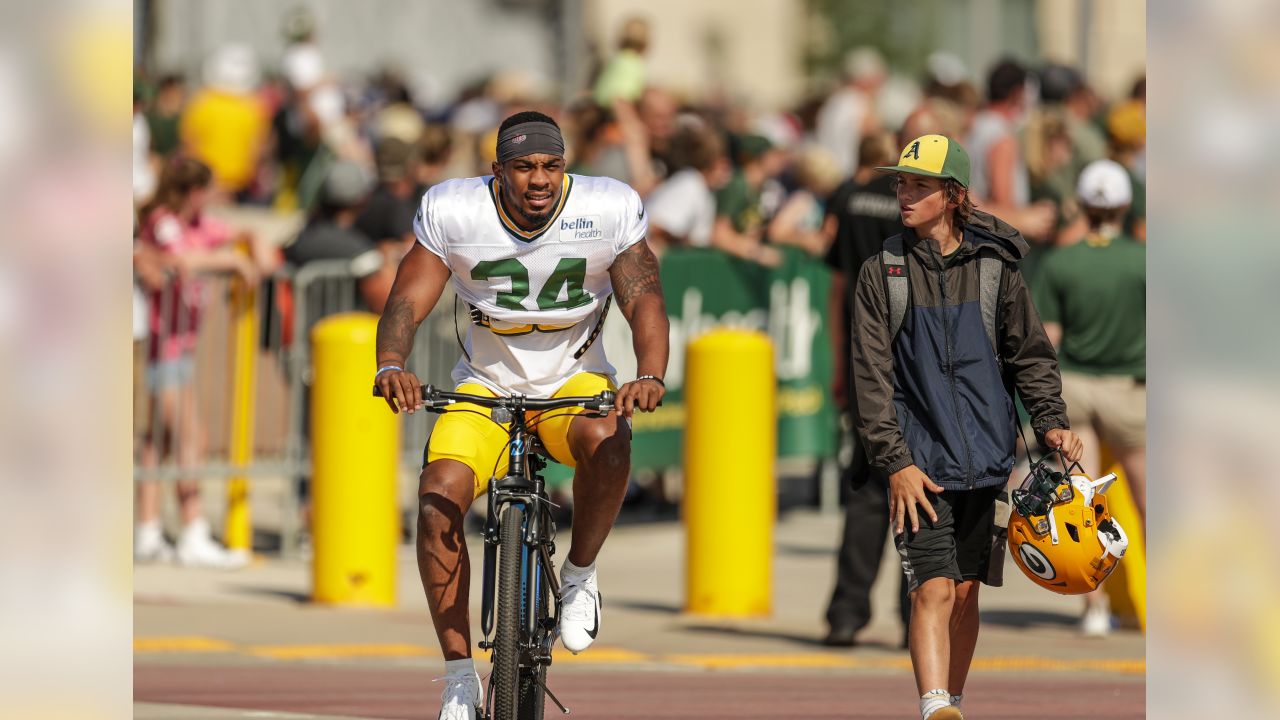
913,151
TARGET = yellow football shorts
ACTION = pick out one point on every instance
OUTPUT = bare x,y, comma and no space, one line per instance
481,444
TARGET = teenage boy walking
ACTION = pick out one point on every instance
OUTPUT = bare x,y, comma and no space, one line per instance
944,330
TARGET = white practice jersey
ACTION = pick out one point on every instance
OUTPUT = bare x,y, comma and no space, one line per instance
536,298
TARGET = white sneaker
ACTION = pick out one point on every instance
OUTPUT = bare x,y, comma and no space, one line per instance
579,611
149,545
197,548
1096,621
936,705
461,697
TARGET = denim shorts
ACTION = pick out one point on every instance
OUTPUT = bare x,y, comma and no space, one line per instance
175,372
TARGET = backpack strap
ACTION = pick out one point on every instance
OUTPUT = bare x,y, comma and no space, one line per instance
595,331
990,274
897,287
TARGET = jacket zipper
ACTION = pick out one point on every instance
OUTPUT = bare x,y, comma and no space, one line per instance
951,368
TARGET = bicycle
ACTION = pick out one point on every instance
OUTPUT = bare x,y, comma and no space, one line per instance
519,542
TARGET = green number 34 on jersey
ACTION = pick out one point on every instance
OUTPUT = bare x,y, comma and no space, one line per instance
569,275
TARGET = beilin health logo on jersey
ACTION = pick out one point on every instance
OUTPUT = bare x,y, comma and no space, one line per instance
578,229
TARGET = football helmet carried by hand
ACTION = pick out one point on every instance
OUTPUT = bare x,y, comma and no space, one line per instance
1061,533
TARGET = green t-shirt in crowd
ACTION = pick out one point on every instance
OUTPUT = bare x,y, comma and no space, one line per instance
1097,291
740,203
165,138
623,77
1138,207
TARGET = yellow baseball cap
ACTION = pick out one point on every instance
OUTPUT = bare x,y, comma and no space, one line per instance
934,156
1127,123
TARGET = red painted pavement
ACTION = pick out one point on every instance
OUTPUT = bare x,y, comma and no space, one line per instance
401,693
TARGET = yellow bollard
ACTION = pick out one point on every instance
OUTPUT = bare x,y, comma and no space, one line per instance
1127,586
244,356
730,498
355,453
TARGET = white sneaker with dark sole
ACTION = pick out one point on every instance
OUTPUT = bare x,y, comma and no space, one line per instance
579,612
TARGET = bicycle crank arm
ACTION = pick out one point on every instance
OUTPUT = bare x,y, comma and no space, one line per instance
551,695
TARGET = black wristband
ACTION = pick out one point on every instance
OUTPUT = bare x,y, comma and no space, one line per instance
655,378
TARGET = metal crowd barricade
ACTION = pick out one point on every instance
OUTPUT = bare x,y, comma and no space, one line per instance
184,375
239,382
325,288
208,388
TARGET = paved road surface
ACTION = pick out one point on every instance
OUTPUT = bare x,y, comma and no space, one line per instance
211,646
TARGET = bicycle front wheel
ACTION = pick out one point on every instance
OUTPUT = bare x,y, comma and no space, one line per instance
506,641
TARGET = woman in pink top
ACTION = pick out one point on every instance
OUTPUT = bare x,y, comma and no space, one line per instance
176,232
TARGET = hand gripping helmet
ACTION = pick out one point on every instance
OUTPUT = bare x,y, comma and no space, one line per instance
1061,533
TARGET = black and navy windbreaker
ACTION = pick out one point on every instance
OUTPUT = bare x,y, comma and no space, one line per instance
937,396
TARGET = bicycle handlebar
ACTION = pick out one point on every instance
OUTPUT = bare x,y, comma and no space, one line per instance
436,400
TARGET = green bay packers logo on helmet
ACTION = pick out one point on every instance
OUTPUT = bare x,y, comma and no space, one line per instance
1036,562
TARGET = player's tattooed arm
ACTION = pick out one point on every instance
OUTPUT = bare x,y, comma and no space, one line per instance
420,279
396,329
634,274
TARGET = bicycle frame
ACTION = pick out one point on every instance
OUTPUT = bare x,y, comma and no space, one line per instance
522,484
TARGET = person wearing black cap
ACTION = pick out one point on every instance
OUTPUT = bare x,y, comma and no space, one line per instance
332,234
538,255
944,331
387,216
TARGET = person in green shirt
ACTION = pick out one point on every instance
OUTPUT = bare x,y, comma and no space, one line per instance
1092,299
739,226
165,114
623,78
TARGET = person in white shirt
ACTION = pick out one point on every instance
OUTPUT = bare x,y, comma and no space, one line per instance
850,111
682,210
536,254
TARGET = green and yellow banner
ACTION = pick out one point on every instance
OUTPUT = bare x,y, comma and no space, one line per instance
707,289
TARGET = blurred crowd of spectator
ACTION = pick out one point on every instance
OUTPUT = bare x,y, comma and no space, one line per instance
716,171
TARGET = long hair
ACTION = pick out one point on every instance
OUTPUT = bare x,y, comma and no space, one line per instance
965,207
180,176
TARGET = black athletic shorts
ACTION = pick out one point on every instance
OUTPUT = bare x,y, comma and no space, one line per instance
959,545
